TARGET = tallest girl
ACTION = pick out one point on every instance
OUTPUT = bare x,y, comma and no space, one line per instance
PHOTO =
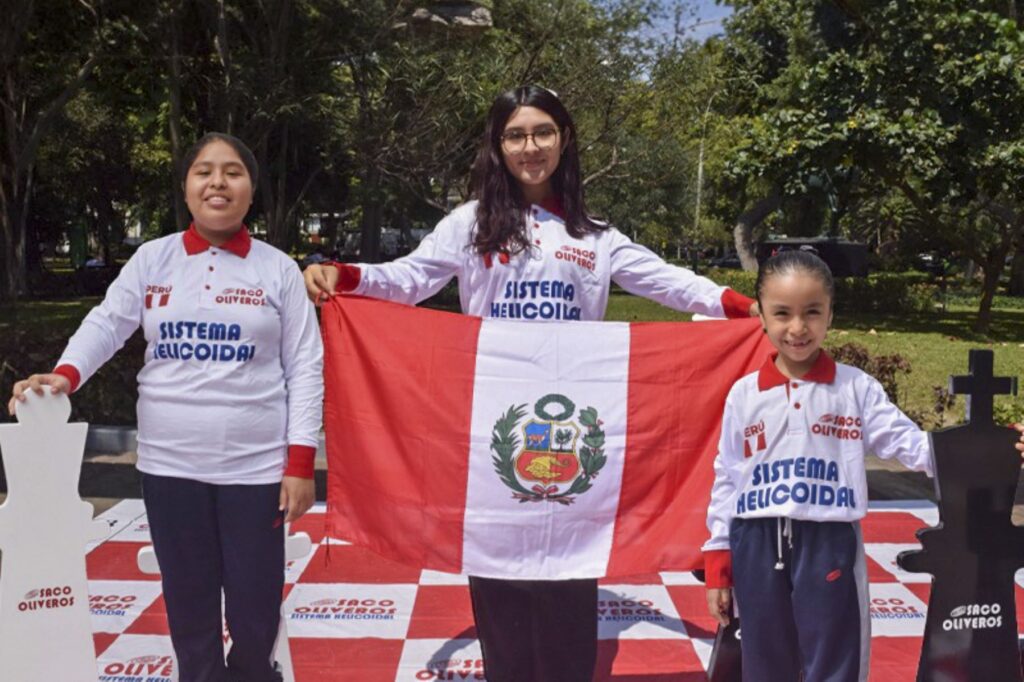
527,249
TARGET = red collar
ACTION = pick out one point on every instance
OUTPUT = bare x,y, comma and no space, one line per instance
553,204
239,244
823,372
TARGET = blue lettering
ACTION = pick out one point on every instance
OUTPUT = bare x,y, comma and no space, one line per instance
547,310
799,468
833,472
815,468
234,332
203,351
218,331
780,495
800,492
186,350
530,311
227,353
201,330
570,292
828,495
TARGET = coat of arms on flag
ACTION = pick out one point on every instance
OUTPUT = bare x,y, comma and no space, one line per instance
547,463
510,449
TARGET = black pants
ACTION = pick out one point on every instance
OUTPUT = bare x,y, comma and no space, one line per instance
210,538
536,630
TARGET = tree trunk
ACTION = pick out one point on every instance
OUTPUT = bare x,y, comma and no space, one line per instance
1017,273
181,215
991,267
746,223
370,226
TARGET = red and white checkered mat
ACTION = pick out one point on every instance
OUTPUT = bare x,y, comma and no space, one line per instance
355,616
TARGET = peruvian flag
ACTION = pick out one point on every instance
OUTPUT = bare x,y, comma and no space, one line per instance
511,449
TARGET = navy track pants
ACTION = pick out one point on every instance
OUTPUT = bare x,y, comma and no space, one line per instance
808,613
210,538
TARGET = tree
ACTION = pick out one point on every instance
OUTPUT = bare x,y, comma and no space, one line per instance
924,97
37,83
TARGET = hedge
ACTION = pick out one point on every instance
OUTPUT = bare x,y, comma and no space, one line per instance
888,292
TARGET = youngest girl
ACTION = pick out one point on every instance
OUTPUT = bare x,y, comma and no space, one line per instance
790,489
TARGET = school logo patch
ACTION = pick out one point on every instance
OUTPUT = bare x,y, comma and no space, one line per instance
552,457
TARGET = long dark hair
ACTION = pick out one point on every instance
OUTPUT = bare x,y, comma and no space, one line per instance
500,214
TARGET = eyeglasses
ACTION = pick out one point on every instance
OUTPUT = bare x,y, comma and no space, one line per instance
514,142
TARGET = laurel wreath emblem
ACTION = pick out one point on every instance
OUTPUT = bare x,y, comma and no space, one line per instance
505,442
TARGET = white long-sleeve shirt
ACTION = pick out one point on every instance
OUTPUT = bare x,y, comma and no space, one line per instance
233,365
795,447
560,278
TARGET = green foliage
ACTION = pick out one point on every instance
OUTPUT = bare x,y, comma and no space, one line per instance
889,292
1008,411
885,368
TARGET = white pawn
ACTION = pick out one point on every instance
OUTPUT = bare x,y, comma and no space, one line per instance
296,547
45,630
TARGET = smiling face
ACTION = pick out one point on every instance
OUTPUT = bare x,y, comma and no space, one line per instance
532,166
796,311
218,191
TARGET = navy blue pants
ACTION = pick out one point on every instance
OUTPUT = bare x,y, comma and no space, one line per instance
536,630
210,538
809,615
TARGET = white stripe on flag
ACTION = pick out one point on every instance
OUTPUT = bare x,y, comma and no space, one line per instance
518,364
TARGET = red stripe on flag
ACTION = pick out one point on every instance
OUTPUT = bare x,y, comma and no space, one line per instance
397,410
679,376
149,300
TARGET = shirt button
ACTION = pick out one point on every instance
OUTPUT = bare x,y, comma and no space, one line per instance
537,242
794,385
537,225
207,286
211,270
795,405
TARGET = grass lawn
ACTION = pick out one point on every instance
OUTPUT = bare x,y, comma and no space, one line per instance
935,344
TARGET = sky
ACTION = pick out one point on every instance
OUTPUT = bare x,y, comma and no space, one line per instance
706,22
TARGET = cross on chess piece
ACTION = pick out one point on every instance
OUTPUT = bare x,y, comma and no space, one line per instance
975,550
297,546
45,630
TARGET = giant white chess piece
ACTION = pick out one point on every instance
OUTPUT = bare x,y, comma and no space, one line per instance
45,633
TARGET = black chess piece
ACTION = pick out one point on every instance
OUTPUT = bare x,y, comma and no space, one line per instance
726,663
975,550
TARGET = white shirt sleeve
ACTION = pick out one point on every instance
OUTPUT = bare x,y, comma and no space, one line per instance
643,273
109,325
723,492
421,274
889,433
302,359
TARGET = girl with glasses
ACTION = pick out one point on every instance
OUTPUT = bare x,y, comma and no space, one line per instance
526,248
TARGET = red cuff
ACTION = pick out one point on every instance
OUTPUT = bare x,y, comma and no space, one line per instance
348,277
300,461
718,568
735,304
71,374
